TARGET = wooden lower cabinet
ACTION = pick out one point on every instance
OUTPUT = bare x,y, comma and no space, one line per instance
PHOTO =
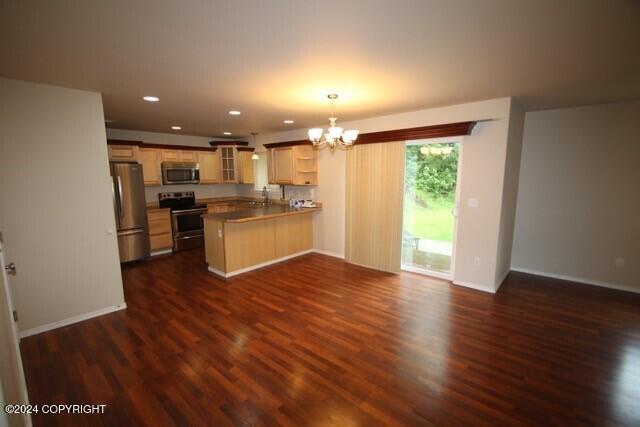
160,236
234,247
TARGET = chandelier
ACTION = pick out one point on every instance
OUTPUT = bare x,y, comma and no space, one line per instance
335,136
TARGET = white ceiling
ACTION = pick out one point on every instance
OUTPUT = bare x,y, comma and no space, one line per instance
275,60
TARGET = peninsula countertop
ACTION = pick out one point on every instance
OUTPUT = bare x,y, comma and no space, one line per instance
259,213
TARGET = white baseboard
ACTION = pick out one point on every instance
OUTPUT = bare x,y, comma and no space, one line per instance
161,252
426,273
329,253
581,280
71,320
500,280
475,286
216,271
256,266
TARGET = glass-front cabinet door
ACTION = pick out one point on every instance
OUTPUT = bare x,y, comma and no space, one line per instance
228,159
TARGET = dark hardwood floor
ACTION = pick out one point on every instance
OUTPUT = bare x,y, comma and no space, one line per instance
315,341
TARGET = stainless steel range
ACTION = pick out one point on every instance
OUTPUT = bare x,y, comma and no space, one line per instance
186,219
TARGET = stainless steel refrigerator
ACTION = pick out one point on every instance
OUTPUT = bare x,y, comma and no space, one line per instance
130,210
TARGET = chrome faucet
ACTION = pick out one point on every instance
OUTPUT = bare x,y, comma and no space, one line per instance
265,195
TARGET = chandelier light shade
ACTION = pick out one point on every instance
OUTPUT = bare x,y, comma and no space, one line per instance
335,135
254,156
315,134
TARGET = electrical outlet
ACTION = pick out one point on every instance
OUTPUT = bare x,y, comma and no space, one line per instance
619,262
476,261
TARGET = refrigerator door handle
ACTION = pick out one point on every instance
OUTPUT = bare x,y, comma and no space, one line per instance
120,208
115,201
129,232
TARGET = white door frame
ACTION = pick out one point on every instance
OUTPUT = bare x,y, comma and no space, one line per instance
456,207
15,359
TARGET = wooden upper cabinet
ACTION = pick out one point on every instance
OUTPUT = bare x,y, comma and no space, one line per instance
188,156
170,155
179,156
228,164
209,163
283,165
150,159
305,166
246,173
123,153
271,178
294,165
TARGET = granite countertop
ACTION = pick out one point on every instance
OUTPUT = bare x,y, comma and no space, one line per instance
154,207
224,199
259,213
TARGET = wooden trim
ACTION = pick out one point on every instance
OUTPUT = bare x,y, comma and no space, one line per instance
123,142
178,147
236,143
424,132
245,149
408,134
159,146
287,144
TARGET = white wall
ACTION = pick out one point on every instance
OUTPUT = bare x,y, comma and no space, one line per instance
579,195
483,172
203,190
56,211
510,191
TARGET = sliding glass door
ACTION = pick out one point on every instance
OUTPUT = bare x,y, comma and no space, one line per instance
430,206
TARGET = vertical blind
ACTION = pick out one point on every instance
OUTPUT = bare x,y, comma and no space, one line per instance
375,191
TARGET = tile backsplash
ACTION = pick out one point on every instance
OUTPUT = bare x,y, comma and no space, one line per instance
201,190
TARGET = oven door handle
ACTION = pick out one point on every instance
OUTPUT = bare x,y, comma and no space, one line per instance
188,211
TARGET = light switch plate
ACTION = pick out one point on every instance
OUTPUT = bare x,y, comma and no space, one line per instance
474,203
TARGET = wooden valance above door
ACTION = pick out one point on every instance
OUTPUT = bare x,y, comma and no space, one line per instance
424,132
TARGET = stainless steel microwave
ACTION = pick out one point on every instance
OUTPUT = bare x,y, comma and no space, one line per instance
180,173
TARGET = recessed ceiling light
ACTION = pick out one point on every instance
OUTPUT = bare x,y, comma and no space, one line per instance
288,122
226,133
234,112
176,127
151,98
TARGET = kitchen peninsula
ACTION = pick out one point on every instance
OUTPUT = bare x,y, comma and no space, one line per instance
240,241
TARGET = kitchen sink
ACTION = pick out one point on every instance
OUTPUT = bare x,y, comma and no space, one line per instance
254,203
